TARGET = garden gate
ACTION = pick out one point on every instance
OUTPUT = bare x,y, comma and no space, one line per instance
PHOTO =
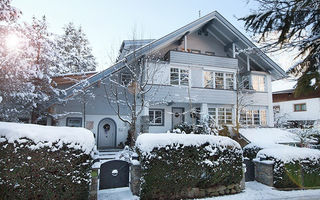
114,174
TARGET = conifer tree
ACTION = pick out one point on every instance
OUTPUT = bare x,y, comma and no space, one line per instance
75,51
296,24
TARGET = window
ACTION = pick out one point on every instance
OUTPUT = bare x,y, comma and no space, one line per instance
258,83
263,117
156,117
179,76
126,79
212,113
219,80
229,81
256,117
276,109
74,121
300,107
253,117
208,80
221,115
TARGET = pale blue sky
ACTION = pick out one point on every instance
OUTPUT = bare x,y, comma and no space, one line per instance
107,23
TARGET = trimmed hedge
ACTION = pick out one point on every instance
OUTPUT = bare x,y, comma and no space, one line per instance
298,172
250,151
170,170
59,172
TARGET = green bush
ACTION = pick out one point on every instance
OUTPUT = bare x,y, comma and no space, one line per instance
295,173
59,172
169,170
250,151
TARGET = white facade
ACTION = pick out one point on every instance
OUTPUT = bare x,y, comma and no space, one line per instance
196,71
287,111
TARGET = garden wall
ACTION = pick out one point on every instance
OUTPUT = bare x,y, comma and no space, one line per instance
40,162
293,167
176,166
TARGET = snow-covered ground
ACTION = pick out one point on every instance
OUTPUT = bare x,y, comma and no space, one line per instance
267,137
253,191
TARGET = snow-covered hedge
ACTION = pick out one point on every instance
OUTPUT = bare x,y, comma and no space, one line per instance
42,162
293,167
175,163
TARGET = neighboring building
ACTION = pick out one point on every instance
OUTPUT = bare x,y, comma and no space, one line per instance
304,109
198,66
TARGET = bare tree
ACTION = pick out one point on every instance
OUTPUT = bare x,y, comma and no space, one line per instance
131,90
242,96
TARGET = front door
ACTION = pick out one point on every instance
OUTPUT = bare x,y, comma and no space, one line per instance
177,116
106,134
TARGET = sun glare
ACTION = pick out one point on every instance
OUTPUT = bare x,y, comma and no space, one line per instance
12,41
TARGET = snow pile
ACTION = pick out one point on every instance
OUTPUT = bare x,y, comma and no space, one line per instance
288,154
147,142
78,138
267,137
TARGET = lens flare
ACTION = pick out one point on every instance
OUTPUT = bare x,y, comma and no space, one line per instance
12,41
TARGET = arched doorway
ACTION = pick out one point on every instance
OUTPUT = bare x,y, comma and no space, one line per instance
107,134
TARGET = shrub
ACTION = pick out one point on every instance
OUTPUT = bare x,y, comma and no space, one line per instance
174,163
43,173
250,151
48,166
294,167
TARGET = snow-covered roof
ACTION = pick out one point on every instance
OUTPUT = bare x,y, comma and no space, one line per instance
283,85
78,138
215,21
267,137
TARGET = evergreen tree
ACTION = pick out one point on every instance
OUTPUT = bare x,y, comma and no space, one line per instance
7,12
25,72
75,51
297,25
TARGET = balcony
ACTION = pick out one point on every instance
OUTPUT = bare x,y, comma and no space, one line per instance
201,59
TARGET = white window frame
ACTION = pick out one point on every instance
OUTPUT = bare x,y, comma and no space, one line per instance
216,115
213,76
152,122
73,118
264,84
179,75
251,111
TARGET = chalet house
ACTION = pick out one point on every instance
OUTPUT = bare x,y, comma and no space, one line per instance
297,110
197,70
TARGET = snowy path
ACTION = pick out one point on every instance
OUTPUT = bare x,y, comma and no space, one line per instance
253,191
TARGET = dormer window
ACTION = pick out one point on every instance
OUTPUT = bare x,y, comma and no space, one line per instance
179,76
126,79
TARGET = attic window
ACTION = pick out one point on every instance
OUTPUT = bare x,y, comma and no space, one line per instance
126,79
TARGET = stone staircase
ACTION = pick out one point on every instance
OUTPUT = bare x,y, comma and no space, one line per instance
105,155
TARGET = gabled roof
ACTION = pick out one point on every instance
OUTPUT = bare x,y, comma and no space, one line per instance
231,34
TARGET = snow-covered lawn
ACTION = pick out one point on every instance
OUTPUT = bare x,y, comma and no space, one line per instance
267,137
253,191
